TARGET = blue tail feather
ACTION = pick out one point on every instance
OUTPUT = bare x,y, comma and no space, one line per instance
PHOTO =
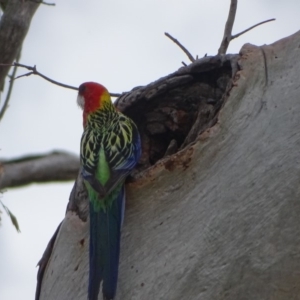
105,233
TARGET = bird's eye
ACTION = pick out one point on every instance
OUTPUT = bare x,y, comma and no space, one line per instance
82,89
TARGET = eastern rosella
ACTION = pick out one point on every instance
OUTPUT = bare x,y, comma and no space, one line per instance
110,149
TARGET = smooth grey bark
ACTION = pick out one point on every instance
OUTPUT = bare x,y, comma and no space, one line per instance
220,218
54,166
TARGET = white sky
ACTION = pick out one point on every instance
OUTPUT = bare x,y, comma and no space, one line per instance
120,44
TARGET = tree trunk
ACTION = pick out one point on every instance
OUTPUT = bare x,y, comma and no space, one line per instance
14,26
220,218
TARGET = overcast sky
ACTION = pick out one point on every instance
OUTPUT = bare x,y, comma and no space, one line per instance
120,44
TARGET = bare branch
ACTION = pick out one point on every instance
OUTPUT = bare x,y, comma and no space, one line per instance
228,28
11,83
55,166
34,71
228,37
189,55
246,30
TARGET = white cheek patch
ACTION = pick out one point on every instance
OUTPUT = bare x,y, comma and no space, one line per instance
80,101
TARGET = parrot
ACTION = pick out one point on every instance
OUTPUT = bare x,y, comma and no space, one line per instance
110,148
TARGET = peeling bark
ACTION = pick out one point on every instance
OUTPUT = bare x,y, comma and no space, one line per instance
220,218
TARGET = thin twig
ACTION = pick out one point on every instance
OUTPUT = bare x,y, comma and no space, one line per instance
11,83
246,30
115,95
34,71
228,28
189,55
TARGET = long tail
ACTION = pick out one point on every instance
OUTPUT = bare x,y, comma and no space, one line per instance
105,232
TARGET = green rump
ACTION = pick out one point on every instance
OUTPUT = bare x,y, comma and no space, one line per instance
105,203
103,174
